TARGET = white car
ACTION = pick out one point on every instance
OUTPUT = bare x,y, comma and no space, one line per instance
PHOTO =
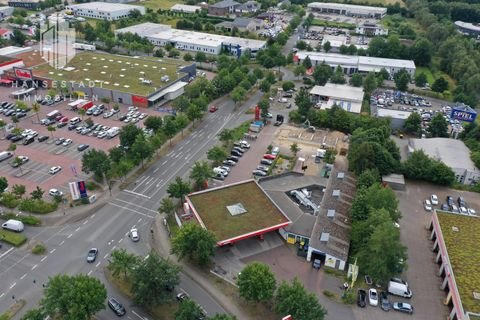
373,297
143,116
427,205
55,192
463,210
134,235
434,199
132,108
225,168
55,169
67,142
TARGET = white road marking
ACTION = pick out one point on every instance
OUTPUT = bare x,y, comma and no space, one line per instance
93,215
137,194
89,273
119,241
156,170
159,183
136,205
105,256
164,162
97,264
133,311
23,277
77,229
181,147
13,285
53,250
114,247
1,295
70,235
43,259
63,241
168,155
85,222
33,268
150,180
138,212
6,252
139,220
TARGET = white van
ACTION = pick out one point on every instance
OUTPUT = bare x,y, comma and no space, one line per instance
276,151
219,170
13,225
399,288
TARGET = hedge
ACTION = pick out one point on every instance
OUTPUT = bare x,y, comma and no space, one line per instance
9,200
30,220
37,206
13,238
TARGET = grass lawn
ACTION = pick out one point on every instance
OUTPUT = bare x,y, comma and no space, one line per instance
378,2
157,4
260,211
13,238
463,253
114,72
427,72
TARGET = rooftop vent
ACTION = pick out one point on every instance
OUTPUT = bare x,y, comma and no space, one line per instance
331,213
341,175
236,209
324,237
336,193
455,229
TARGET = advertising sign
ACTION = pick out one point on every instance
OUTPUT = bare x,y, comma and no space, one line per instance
82,189
74,192
23,73
257,113
463,115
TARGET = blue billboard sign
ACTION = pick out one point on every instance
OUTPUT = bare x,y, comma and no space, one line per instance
82,189
463,115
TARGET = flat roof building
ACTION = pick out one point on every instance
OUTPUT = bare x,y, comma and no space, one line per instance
352,64
223,8
213,44
451,152
104,10
346,97
455,240
6,12
185,8
397,117
467,28
348,9
25,4
371,30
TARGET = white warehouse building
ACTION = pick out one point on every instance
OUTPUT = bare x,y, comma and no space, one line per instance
352,64
160,35
348,9
104,10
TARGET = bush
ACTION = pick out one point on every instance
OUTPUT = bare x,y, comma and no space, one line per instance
30,220
37,206
91,185
13,238
39,249
349,297
9,200
329,294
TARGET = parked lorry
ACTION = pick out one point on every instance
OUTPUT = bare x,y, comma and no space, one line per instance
399,288
5,155
13,225
84,46
53,114
112,132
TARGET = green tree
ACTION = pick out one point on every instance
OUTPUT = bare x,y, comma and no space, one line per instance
195,243
181,121
96,161
356,80
201,172
37,193
338,76
327,46
420,80
3,184
122,262
36,110
258,73
217,155
170,128
222,317
128,135
292,299
51,129
413,124
187,57
264,106
256,282
265,85
34,314
167,206
294,148
302,100
65,297
238,94
178,188
189,310
153,280
402,78
321,74
374,198
330,155
226,136
307,63
19,190
194,113
153,122
370,83
200,56
288,85
440,85
421,52
368,178
82,112
142,149
299,70
438,126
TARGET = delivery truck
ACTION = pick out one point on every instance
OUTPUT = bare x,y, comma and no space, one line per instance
13,225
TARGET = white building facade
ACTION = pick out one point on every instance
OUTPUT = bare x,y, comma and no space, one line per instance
104,10
348,10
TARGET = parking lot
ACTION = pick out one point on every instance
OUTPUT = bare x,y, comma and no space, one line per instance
44,155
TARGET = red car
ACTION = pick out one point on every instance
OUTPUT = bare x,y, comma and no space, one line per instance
63,119
57,118
269,156
213,109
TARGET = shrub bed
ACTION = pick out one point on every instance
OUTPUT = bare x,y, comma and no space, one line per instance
9,200
15,239
30,220
39,249
37,206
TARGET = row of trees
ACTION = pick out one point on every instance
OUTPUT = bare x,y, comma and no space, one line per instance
471,137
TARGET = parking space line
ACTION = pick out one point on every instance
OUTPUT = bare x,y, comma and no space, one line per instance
13,285
97,264
1,295
105,256
77,229
43,259
70,235
53,250
63,241
138,212
89,273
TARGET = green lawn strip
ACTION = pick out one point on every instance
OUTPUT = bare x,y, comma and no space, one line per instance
30,220
13,238
156,4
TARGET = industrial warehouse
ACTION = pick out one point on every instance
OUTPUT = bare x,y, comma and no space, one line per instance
104,10
160,35
348,9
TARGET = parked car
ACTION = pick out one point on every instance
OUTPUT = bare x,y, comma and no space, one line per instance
116,307
42,138
23,159
67,142
434,199
60,141
54,170
219,176
471,212
450,200
361,298
82,147
259,173
233,158
262,168
427,205
403,307
445,207
455,209
213,108
266,162
373,297
230,163
55,192
269,156
317,264
134,235
461,202
62,124
182,296
92,255
384,302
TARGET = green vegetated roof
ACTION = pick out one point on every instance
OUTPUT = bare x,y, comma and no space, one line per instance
261,213
115,72
464,254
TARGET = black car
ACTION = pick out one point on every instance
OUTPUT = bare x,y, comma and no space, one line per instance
28,140
461,202
236,153
266,162
449,201
233,158
21,115
72,127
384,302
82,147
362,298
16,138
42,138
9,136
116,307
61,124
122,118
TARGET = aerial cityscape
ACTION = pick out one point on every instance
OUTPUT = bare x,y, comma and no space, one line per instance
249,159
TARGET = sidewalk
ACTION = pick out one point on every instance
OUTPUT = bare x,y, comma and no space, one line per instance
161,244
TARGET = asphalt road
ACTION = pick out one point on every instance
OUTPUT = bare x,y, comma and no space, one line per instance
22,274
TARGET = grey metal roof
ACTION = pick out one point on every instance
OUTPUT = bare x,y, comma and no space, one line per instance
224,4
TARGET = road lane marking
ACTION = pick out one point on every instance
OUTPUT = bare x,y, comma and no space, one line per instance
136,205
89,273
35,266
139,220
77,229
1,295
93,215
113,248
85,222
13,285
97,264
63,241
6,252
164,162
105,256
133,311
119,241
137,194
23,277
156,170
181,147
53,250
43,259
136,211
70,235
